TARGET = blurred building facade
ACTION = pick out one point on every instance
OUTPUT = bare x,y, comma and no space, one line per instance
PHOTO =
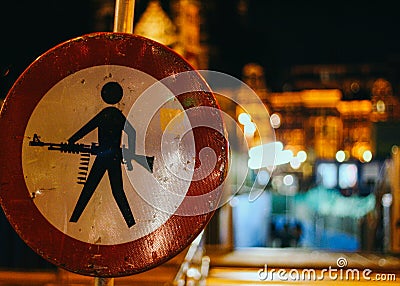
338,114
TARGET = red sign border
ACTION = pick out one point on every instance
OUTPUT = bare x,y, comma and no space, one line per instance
94,49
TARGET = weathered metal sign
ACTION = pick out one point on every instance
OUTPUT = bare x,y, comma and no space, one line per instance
102,162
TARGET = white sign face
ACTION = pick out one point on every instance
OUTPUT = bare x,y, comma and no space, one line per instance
56,179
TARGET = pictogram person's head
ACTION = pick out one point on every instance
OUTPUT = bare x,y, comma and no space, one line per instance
112,92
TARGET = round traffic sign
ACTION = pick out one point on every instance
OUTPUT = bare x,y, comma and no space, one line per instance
114,154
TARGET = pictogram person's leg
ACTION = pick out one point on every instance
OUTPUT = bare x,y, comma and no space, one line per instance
95,175
115,176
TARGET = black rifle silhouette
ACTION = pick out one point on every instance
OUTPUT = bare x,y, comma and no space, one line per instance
94,149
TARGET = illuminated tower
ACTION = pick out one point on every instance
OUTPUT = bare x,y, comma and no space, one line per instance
155,24
180,31
188,19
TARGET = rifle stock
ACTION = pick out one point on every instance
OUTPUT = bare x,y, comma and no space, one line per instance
145,161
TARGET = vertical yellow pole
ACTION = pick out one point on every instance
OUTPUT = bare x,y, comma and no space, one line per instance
123,17
98,281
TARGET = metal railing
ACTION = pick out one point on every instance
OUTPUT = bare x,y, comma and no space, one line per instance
194,268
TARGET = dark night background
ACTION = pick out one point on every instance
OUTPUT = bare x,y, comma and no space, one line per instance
276,34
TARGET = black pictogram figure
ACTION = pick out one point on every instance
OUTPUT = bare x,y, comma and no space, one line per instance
110,123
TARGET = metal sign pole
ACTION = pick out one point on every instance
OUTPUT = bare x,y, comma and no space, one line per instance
123,22
123,18
99,281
